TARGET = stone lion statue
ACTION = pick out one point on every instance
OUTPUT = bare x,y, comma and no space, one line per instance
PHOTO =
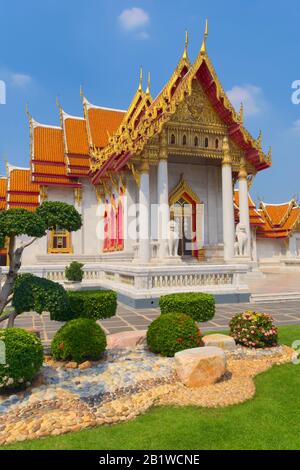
241,243
173,238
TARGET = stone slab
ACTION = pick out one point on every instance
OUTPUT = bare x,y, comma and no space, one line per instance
220,341
128,339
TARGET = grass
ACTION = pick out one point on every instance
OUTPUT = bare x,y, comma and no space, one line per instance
269,421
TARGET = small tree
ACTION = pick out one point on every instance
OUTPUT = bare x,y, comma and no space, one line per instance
15,223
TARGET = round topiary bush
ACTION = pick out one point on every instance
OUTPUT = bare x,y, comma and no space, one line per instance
199,306
173,332
21,357
79,340
254,330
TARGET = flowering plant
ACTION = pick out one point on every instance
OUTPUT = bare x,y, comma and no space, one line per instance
254,330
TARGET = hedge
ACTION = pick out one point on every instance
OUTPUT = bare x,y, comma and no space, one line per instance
40,295
96,305
79,340
201,307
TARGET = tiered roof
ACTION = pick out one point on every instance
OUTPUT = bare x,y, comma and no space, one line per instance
280,219
133,138
21,192
271,220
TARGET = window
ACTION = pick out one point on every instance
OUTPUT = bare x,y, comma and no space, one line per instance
217,144
206,142
173,139
184,140
196,141
59,241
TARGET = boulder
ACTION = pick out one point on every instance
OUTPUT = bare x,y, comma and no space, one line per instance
220,341
128,339
71,365
200,367
85,365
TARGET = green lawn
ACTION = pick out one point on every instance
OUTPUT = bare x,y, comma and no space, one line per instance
270,421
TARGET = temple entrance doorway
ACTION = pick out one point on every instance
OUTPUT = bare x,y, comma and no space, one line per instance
187,211
182,214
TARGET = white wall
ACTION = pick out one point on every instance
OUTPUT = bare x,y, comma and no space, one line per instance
269,248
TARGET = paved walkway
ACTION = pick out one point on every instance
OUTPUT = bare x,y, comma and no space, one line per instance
127,318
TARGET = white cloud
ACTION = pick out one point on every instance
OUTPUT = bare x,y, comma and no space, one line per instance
143,35
296,126
134,18
250,95
20,80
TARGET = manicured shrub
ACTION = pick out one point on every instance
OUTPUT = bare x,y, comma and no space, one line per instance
201,307
173,332
96,305
74,272
40,295
23,357
79,340
254,330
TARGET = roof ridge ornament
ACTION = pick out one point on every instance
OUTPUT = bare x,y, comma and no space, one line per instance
29,116
140,89
241,114
186,45
203,47
149,84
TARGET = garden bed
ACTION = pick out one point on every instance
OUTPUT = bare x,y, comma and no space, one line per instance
123,385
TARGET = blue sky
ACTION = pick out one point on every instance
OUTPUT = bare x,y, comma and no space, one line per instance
49,48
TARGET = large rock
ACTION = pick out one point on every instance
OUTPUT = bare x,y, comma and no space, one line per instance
220,341
200,366
129,339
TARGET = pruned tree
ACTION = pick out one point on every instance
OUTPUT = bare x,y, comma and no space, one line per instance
16,223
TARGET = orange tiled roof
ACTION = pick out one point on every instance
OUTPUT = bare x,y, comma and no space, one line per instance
255,218
22,193
48,165
3,186
76,136
280,219
102,122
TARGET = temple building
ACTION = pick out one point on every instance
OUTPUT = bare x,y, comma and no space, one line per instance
155,187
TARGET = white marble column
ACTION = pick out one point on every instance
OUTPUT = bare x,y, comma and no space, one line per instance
144,215
244,203
228,209
77,237
163,198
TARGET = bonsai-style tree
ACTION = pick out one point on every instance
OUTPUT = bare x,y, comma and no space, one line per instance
16,223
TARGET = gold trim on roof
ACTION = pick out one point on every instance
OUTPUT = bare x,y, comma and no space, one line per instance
132,139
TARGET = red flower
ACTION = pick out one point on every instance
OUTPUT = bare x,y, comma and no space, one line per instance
62,346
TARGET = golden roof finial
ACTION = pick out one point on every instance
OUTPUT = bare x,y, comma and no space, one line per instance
58,104
241,115
203,47
186,45
28,113
141,80
6,166
149,84
81,91
259,138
